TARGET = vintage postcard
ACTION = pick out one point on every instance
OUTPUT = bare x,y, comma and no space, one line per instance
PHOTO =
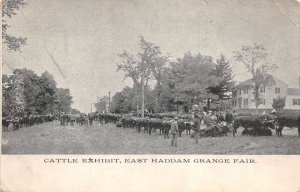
150,95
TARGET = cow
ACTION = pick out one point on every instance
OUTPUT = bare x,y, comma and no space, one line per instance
5,123
166,128
181,126
249,131
142,122
16,123
155,124
128,122
248,122
188,127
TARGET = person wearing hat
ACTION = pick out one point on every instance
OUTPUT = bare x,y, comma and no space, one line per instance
174,132
197,122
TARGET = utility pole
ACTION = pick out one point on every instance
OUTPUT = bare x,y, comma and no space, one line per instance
109,102
91,107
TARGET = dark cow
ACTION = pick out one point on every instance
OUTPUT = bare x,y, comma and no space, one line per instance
181,126
260,127
188,127
128,122
16,123
5,124
142,122
166,128
249,131
156,124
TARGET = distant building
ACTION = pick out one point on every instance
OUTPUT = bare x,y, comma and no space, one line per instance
243,98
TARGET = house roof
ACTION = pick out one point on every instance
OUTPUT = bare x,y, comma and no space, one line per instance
247,82
250,81
293,91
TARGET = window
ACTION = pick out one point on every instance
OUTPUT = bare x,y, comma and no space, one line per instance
245,102
239,103
240,90
263,102
245,91
262,89
277,90
234,93
296,101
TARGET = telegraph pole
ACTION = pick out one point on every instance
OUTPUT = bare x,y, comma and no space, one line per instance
109,102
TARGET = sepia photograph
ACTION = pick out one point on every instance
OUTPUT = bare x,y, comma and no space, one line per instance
194,77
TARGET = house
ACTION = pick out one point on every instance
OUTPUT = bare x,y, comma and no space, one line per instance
243,98
293,98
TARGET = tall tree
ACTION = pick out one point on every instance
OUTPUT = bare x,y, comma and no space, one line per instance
158,68
224,72
191,76
47,92
254,59
64,100
10,8
31,83
139,68
117,103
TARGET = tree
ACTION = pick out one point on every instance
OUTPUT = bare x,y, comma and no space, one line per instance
101,104
32,90
26,93
9,8
224,72
13,95
64,100
191,76
46,96
158,68
117,103
254,58
279,103
139,68
75,111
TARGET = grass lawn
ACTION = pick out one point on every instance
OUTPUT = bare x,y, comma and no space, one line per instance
51,138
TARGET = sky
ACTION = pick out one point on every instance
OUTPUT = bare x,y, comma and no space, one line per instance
84,37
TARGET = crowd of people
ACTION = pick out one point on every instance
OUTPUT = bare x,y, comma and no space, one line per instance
204,123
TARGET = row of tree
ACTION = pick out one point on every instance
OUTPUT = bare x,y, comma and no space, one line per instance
192,79
189,80
25,93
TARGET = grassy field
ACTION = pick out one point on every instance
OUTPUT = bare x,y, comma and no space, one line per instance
50,138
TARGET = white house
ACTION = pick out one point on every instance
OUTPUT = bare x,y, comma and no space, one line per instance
292,99
243,98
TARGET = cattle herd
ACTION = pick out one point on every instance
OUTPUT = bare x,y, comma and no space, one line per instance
211,125
25,121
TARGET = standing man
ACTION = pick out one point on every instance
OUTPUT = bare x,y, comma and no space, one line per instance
228,118
197,123
174,131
